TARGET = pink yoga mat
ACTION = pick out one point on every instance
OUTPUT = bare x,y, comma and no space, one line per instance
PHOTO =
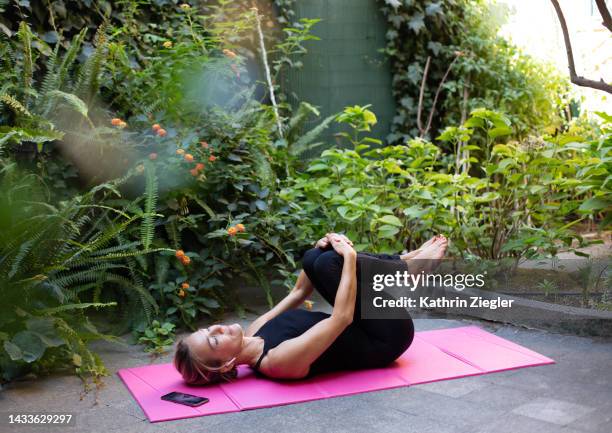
423,362
482,350
434,355
148,383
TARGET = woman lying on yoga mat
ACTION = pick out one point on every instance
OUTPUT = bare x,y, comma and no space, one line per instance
290,343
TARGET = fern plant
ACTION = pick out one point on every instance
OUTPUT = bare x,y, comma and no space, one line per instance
59,262
32,107
300,142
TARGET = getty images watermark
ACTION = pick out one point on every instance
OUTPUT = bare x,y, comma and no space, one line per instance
409,281
389,288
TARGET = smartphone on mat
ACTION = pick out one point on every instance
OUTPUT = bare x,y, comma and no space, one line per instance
186,399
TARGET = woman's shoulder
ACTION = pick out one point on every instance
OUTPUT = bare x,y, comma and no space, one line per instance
302,315
287,325
293,317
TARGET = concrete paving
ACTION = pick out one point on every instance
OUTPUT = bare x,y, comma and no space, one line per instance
572,396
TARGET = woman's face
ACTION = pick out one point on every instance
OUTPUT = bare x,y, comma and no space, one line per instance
216,344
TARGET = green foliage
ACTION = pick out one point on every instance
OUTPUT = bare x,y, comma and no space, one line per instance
187,305
590,277
57,262
158,337
548,287
596,182
291,46
94,248
487,70
147,229
512,199
38,104
238,184
56,104
50,99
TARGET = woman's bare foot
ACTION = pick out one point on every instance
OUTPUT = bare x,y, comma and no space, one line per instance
435,251
428,258
411,254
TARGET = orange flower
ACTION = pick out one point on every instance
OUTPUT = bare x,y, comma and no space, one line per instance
179,254
240,227
182,293
161,132
199,166
116,121
156,127
185,285
185,260
153,156
229,53
122,124
180,151
308,305
204,144
232,231
188,157
194,172
212,158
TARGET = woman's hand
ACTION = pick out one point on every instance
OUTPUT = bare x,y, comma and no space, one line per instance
324,241
341,245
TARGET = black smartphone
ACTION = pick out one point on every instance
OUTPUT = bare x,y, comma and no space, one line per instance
186,399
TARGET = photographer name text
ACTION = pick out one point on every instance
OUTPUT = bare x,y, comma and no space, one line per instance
442,302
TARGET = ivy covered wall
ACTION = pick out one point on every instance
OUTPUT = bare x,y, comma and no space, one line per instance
460,39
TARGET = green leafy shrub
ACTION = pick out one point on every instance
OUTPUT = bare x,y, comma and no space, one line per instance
51,121
57,262
484,69
496,199
120,232
238,188
32,104
216,177
251,158
158,337
594,170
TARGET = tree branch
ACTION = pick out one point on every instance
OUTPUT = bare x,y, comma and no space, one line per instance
435,101
605,14
575,78
264,58
421,93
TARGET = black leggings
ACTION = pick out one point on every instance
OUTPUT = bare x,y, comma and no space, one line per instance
365,343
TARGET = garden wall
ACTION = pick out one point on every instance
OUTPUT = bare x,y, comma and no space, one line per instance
345,67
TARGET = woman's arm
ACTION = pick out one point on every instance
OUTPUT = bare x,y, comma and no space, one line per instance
292,358
300,292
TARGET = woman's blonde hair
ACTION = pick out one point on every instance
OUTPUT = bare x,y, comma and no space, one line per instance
195,372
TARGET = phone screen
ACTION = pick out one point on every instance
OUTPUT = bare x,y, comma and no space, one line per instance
186,399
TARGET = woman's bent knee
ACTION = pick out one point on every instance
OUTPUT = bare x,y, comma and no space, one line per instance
405,337
309,259
328,261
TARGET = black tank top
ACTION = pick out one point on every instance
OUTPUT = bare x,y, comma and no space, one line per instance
291,324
